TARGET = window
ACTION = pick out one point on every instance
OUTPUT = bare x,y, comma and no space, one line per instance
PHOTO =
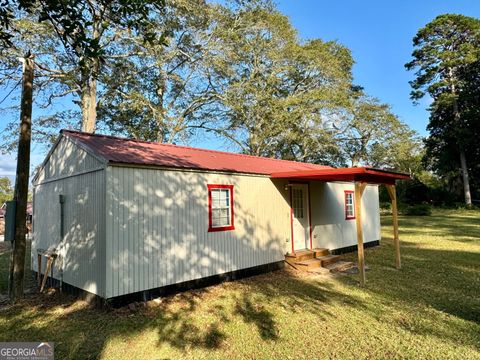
349,205
220,207
297,203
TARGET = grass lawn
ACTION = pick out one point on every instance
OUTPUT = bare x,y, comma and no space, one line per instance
430,309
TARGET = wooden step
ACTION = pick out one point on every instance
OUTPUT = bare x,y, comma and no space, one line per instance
328,259
300,256
321,252
309,264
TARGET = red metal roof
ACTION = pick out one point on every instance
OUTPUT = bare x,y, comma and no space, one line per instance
364,174
128,151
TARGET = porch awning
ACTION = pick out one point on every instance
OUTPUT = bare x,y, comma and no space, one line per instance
358,174
361,176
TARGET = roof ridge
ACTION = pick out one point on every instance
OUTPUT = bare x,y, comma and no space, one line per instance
188,147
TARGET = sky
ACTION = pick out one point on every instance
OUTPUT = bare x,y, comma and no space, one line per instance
379,34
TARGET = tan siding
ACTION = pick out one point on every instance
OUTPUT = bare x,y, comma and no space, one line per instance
82,251
67,159
330,228
157,233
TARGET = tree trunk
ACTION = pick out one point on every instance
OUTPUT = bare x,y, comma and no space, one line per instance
17,269
463,160
466,182
89,103
160,118
89,86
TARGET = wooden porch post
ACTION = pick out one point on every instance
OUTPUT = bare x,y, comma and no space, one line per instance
359,188
396,241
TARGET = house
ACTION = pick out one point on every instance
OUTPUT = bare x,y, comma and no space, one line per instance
130,219
5,222
3,210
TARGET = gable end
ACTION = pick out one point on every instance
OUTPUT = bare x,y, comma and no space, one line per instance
67,157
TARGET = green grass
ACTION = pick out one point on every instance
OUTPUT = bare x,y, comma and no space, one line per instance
430,309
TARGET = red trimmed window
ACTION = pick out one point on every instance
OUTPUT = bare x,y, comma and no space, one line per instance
220,207
349,205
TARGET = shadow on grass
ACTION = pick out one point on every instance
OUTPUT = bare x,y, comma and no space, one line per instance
194,319
255,313
442,279
454,228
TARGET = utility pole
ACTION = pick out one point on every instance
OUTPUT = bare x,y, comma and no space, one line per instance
17,267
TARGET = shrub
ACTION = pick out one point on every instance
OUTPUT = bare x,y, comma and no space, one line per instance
385,208
418,210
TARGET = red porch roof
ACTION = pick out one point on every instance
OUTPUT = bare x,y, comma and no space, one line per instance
362,174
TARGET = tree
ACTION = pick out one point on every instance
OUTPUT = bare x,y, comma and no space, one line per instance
257,86
236,69
273,89
441,149
443,49
17,266
370,134
82,33
6,190
159,93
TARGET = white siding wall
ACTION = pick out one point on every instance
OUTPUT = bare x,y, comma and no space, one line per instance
330,228
82,251
133,229
157,227
67,159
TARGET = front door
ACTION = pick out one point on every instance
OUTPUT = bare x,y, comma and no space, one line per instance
300,217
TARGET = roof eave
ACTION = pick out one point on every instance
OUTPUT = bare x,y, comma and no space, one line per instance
362,174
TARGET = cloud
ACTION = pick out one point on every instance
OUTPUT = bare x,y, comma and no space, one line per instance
8,165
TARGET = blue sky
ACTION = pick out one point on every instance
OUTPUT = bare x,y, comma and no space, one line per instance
379,34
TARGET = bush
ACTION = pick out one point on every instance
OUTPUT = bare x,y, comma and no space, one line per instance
418,210
385,208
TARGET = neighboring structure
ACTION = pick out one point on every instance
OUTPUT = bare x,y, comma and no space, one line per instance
127,217
3,209
5,228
